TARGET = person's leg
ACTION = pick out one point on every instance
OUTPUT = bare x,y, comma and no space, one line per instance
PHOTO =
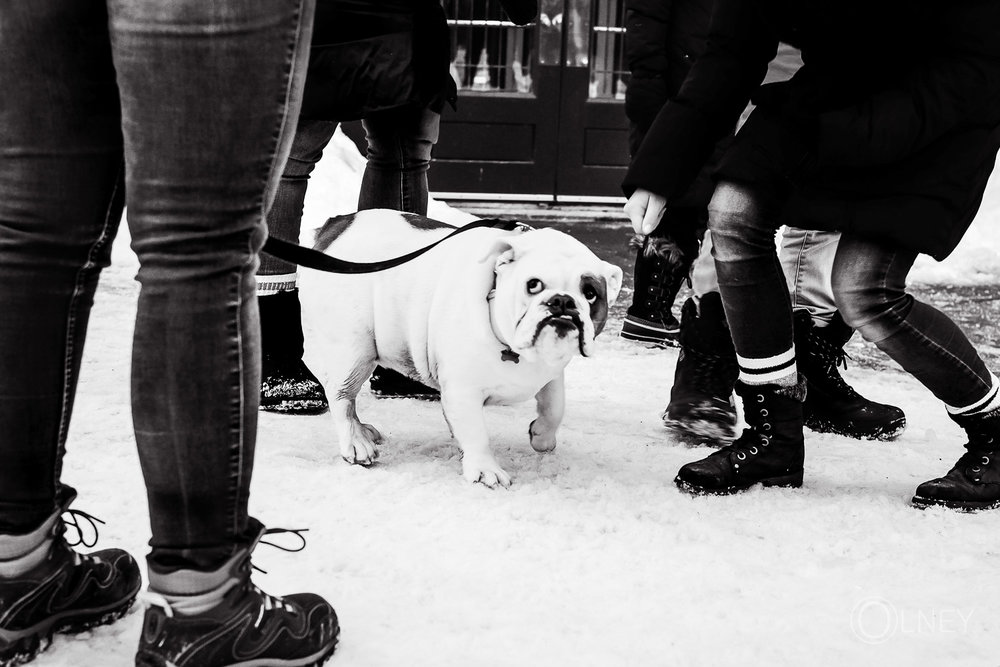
770,451
287,385
832,405
209,98
400,142
701,409
61,177
869,281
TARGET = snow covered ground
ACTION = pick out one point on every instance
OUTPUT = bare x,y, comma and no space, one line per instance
592,557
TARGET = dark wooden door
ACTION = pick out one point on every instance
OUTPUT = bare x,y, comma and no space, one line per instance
540,114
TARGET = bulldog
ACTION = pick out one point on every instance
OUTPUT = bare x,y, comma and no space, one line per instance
487,317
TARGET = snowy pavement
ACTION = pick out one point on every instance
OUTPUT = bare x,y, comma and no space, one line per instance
592,557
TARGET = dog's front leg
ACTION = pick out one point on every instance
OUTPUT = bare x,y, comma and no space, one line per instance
551,402
467,420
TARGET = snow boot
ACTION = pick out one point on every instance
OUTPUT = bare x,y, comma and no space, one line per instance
974,482
770,451
832,405
387,383
660,268
212,619
47,587
287,385
701,408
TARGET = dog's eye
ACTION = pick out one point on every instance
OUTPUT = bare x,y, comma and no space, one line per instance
590,294
535,286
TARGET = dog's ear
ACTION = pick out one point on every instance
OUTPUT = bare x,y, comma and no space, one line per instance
500,252
613,274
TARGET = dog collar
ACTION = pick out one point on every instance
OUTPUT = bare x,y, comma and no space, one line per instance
506,354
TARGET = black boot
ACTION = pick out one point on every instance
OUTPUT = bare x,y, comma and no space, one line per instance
769,452
701,408
387,383
974,482
832,405
660,268
287,386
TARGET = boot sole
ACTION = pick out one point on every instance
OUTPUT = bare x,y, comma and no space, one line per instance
921,502
657,341
296,407
17,648
884,434
315,660
792,481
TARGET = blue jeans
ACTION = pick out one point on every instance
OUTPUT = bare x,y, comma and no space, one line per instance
399,155
869,288
182,110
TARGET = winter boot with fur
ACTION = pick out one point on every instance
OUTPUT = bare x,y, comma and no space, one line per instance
47,587
832,405
661,266
770,451
287,385
701,408
974,482
220,618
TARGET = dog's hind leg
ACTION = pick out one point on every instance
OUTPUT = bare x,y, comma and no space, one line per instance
358,441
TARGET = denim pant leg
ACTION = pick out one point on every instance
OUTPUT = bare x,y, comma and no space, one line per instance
399,154
209,97
61,197
703,276
284,220
753,288
807,260
869,285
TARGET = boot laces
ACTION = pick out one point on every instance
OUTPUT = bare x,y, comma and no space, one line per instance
757,432
831,358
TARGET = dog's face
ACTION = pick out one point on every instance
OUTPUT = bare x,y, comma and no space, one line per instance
552,294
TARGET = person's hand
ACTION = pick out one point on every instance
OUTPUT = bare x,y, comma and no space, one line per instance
645,209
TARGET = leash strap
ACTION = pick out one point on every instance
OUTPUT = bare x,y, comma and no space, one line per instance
314,259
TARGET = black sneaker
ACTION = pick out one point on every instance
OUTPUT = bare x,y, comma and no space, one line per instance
248,628
661,331
67,592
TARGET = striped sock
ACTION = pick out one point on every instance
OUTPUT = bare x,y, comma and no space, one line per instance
988,403
779,369
270,285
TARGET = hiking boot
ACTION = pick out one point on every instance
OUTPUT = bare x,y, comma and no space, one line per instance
832,405
61,590
232,622
770,451
287,385
701,408
387,383
974,482
660,268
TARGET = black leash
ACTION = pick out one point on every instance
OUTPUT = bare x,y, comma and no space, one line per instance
314,259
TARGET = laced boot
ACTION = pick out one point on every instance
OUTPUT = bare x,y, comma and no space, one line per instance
211,619
47,587
701,408
770,451
387,383
974,482
660,269
832,405
287,385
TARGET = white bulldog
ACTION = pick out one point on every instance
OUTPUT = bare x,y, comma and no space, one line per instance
487,317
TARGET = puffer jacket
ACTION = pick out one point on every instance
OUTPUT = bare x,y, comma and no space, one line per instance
889,130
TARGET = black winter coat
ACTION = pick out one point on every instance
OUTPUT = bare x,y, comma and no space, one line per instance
373,55
889,130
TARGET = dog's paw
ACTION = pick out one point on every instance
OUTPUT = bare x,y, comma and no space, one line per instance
362,448
541,440
485,471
